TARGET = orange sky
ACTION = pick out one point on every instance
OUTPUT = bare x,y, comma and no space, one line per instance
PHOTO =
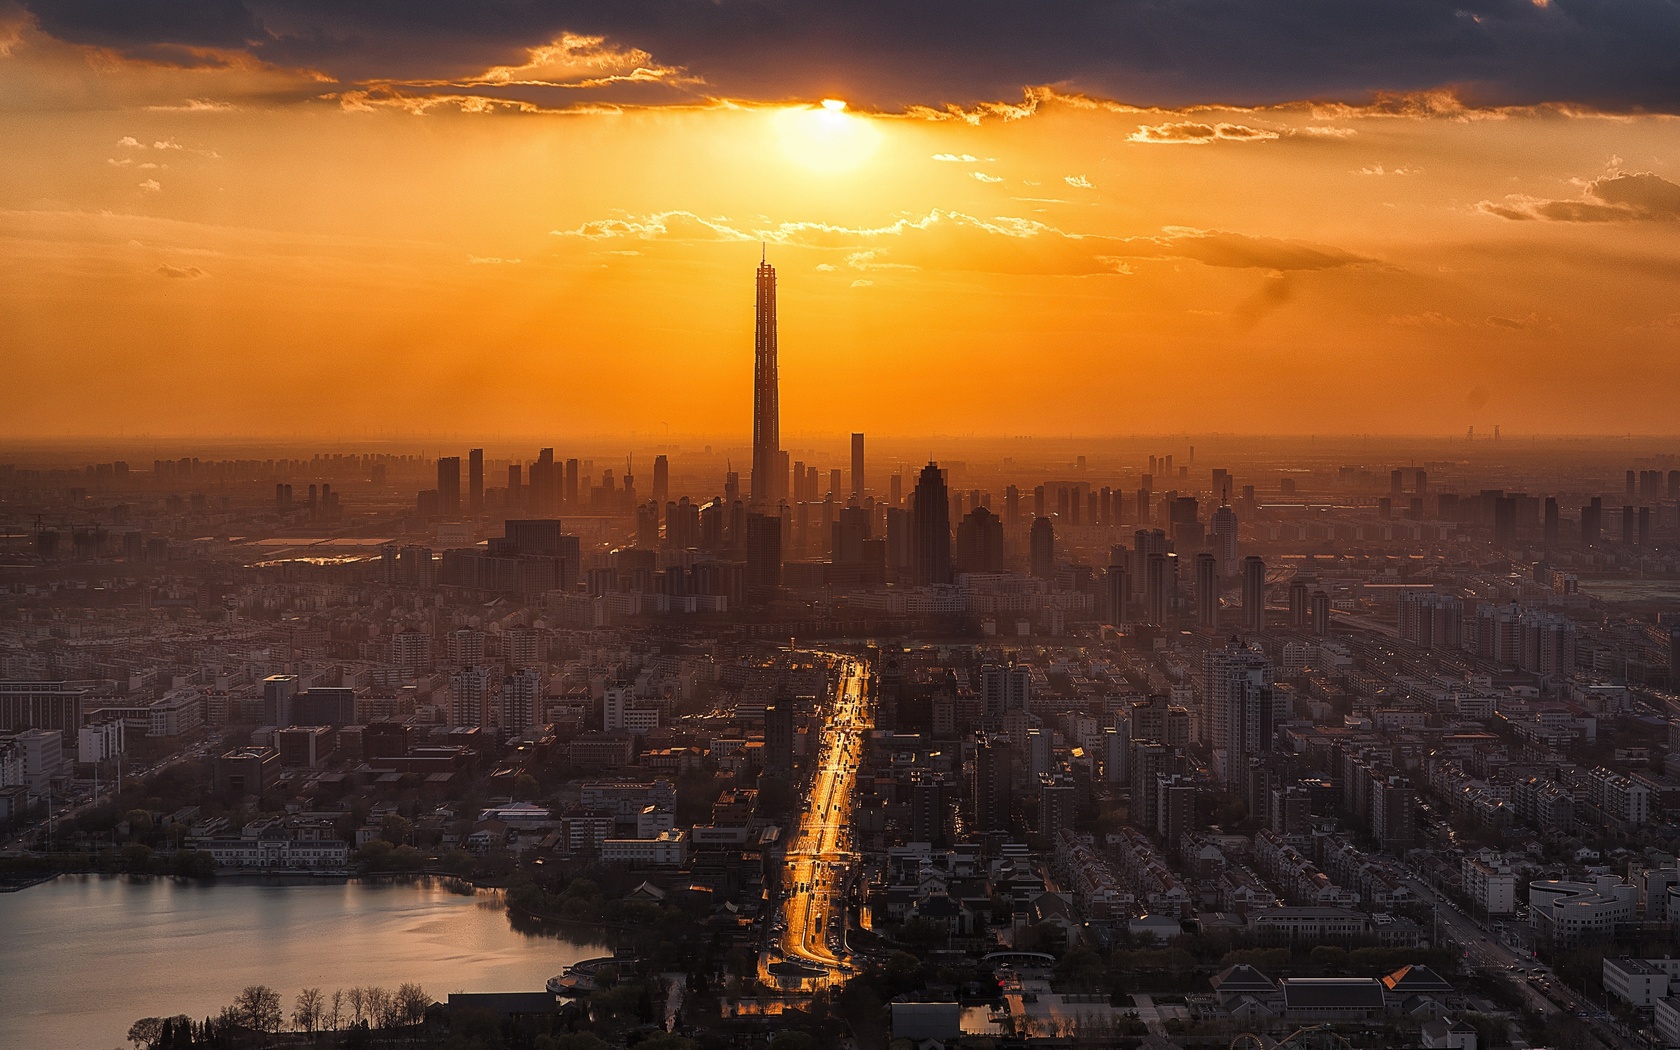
218,250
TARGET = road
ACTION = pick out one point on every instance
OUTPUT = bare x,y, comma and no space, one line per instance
1485,950
810,929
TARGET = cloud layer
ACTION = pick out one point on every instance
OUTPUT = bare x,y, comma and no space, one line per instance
1614,54
1622,197
947,240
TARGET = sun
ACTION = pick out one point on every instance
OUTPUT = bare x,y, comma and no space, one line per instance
825,138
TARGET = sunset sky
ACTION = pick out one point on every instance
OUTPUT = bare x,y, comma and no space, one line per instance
1392,216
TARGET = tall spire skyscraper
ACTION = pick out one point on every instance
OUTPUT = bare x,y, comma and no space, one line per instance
767,432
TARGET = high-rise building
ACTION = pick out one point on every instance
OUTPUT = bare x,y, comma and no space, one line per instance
1320,613
661,480
991,783
1237,686
278,691
980,542
1057,800
857,466
475,480
522,694
1254,594
469,696
1224,529
449,484
778,738
1043,544
1207,590
931,528
1004,689
764,553
767,433
1298,604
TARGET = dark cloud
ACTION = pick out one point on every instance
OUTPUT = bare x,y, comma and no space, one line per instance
1622,197
1613,54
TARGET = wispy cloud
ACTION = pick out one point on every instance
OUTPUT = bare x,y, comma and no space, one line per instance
184,273
1192,133
1077,181
981,176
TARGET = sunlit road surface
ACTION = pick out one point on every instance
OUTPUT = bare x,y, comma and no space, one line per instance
819,857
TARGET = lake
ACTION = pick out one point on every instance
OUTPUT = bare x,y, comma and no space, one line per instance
83,957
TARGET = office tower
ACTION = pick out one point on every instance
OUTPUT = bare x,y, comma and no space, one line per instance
991,784
931,524
857,466
1644,526
278,691
515,497
1207,590
449,484
1395,483
1156,586
1225,539
545,483
475,480
1011,506
778,738
1299,609
1632,485
895,489
834,481
1004,689
522,694
980,542
767,434
1505,522
764,553
571,482
1043,544
661,480
1592,521
1627,526
1237,688
1551,526
1320,613
1254,594
1117,588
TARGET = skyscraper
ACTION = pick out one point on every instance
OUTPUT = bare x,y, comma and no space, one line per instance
1225,540
1043,544
767,433
1254,593
857,466
1207,590
661,480
475,480
931,528
449,484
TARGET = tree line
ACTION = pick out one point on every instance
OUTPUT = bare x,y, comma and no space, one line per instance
258,1012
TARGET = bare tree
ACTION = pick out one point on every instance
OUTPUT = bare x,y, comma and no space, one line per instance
309,1009
258,1008
412,1001
379,1007
335,1011
358,1004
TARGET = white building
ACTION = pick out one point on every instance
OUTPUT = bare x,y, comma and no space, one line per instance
1490,883
176,714
99,742
668,849
1571,912
1640,982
